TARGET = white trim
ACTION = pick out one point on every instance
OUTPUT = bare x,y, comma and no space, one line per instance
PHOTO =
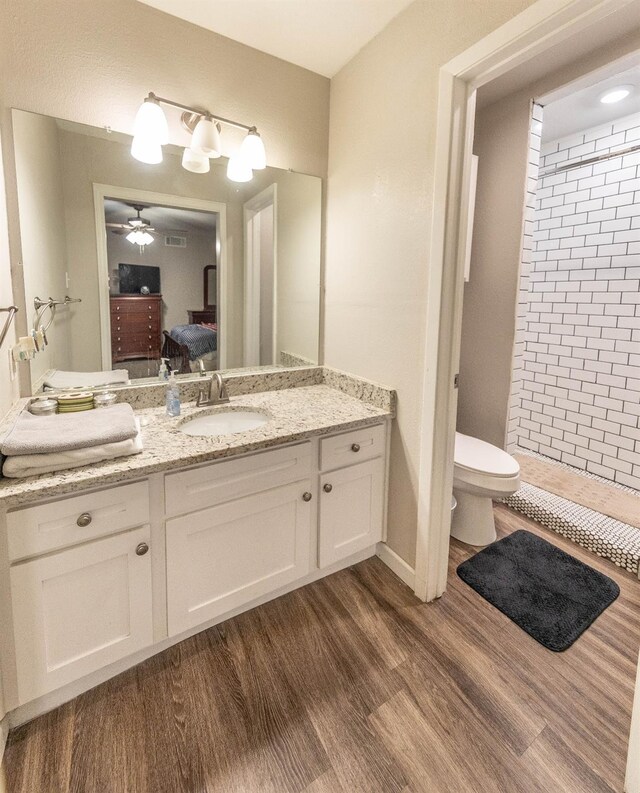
632,779
265,198
396,564
102,191
543,25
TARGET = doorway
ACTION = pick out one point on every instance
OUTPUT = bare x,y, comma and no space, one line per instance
114,210
260,273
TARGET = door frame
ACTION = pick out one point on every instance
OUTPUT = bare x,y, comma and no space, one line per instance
252,207
543,25
102,191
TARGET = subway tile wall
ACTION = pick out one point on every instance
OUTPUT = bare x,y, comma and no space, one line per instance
577,398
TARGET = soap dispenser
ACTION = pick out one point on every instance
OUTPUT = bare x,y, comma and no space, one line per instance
163,371
173,396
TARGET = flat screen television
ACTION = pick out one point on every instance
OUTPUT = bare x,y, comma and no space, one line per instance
134,276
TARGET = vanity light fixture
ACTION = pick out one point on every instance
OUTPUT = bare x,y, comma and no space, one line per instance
617,94
151,133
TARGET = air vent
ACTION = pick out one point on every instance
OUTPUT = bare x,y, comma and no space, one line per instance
175,241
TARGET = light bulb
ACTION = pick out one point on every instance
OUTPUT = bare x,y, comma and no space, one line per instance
146,151
194,161
150,132
238,169
132,237
206,138
252,150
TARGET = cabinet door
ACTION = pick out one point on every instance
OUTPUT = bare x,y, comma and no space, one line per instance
351,510
78,610
225,556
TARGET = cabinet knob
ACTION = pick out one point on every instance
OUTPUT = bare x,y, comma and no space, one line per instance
84,519
327,488
307,496
355,447
141,548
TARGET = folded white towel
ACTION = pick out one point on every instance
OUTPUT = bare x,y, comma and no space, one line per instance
22,465
61,432
60,379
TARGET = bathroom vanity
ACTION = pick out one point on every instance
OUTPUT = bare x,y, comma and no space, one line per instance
106,565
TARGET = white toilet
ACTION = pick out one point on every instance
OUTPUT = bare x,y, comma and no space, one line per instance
481,472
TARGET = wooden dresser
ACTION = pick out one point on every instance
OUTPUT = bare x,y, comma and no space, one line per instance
136,322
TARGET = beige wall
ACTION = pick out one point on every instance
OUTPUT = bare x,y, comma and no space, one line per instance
94,63
489,318
44,243
381,162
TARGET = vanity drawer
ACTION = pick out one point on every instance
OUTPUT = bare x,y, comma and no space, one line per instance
352,447
199,488
59,524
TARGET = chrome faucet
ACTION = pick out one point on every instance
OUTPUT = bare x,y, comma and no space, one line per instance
207,398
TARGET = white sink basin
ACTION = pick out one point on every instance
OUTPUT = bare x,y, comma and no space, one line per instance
225,422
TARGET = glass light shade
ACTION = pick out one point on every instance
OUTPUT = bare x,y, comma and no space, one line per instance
194,161
149,152
151,123
206,138
140,238
238,169
252,150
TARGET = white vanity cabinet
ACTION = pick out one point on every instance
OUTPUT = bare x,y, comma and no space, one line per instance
352,495
102,579
79,608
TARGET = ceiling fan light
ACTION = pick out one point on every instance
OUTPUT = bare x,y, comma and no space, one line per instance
146,238
194,161
206,138
253,151
238,169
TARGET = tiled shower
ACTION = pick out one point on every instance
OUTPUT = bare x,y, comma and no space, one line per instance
576,392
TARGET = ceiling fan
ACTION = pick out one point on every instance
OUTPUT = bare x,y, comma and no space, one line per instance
138,230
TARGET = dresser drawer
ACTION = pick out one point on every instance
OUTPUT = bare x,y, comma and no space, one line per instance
59,524
352,447
189,491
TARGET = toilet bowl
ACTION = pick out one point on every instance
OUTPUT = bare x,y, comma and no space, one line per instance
481,473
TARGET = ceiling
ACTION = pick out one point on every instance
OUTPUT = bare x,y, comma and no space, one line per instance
320,35
163,219
583,109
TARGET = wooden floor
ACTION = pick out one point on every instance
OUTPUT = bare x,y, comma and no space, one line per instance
351,684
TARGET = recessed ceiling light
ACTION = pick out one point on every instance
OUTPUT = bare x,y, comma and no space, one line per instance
616,94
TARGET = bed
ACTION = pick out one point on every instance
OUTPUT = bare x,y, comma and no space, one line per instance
186,343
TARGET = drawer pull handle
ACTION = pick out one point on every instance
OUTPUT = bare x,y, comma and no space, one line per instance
355,447
84,520
307,496
327,488
141,548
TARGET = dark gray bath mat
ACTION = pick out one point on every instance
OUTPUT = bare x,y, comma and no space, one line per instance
548,593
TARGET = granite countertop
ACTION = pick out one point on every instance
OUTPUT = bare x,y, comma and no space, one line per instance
294,414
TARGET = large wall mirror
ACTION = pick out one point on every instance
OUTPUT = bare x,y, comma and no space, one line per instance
145,262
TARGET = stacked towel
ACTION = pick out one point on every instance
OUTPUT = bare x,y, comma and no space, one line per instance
60,379
43,444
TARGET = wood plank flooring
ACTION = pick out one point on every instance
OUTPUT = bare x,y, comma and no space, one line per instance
351,684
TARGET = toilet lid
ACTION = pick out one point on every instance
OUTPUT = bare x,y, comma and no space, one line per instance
473,454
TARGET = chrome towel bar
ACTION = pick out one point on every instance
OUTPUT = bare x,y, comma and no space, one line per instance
12,311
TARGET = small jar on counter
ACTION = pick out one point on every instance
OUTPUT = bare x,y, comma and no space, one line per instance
104,399
46,406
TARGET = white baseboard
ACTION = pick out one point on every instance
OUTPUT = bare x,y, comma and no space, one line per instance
397,564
